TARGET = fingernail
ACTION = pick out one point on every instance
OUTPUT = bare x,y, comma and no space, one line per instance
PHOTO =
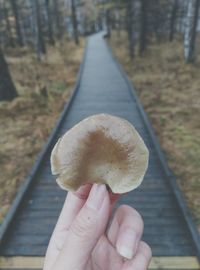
96,196
126,243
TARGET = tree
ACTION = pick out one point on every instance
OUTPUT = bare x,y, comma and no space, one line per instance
8,26
15,10
74,22
173,20
49,21
57,16
108,24
143,27
7,88
117,16
190,30
41,43
129,20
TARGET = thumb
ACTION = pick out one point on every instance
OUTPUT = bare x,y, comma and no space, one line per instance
86,229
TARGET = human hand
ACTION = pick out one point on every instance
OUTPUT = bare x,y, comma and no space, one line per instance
80,240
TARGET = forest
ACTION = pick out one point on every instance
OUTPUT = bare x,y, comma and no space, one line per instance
41,48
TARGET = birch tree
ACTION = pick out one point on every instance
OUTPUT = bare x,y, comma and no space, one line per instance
191,21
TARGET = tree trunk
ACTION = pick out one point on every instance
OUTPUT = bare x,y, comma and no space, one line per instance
74,22
7,88
190,30
117,17
194,30
8,27
129,20
17,22
108,23
143,27
33,24
40,38
49,19
57,20
173,20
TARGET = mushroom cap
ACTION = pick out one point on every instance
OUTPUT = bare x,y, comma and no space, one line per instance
100,149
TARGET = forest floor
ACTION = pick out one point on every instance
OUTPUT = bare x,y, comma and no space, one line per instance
169,91
26,122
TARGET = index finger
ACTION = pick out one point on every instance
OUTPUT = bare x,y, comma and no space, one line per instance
72,205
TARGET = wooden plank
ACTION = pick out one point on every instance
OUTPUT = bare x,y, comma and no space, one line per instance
156,239
21,262
174,263
39,213
165,263
172,250
138,205
44,228
157,250
140,197
148,184
149,221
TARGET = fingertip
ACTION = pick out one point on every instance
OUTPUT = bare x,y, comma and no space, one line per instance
145,249
83,191
96,196
142,258
127,242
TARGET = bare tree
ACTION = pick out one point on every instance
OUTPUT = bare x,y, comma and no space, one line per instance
41,43
57,16
129,20
143,27
173,20
74,22
117,17
15,10
49,19
108,23
8,26
190,30
7,88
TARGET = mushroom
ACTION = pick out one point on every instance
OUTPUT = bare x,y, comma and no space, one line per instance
100,149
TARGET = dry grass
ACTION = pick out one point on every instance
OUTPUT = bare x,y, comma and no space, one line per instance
26,122
169,91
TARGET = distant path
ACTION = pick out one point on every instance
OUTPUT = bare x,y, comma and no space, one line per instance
103,88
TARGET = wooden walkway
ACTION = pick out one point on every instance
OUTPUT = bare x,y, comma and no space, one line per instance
102,87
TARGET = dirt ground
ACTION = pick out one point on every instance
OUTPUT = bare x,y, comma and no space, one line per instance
26,122
169,91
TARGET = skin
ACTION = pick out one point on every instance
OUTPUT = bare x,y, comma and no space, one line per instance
82,239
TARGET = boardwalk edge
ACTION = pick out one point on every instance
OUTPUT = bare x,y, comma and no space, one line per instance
29,179
169,174
156,263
